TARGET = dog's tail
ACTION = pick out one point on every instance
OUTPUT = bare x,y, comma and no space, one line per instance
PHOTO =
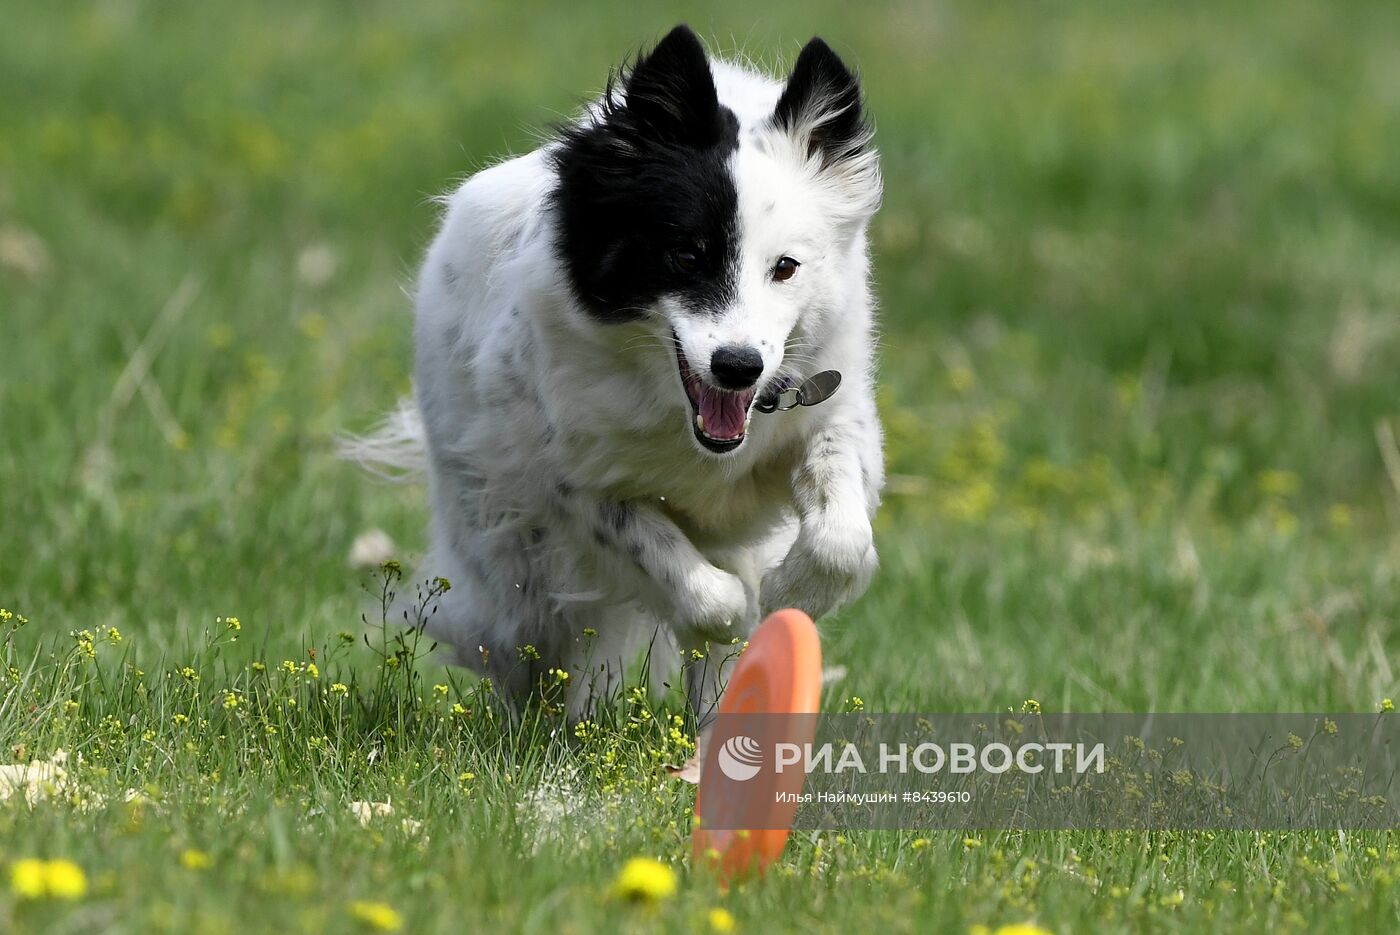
395,451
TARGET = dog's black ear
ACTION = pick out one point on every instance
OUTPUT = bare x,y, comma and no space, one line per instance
670,93
822,105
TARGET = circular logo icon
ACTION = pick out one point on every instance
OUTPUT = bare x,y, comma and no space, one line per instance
740,758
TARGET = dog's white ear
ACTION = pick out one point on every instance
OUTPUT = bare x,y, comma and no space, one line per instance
670,93
821,107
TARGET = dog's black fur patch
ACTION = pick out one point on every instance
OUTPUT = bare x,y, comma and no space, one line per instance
647,178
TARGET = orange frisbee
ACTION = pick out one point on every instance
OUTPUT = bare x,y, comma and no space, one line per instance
779,673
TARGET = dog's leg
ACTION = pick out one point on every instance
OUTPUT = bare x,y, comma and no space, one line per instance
705,662
707,608
836,488
637,542
608,637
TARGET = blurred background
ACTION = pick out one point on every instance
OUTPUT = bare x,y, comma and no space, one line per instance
1139,267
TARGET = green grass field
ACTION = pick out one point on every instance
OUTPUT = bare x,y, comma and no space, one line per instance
1140,272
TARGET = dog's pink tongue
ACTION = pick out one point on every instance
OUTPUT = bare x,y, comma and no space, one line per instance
724,413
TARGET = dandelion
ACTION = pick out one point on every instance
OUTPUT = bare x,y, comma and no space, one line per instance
644,880
28,878
193,859
721,920
52,879
379,916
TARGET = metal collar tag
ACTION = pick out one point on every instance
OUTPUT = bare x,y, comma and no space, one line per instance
815,389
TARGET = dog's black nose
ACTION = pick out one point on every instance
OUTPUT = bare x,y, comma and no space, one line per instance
736,367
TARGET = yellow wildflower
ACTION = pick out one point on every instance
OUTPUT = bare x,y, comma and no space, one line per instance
54,879
195,860
379,916
644,880
720,920
28,878
1275,483
1022,928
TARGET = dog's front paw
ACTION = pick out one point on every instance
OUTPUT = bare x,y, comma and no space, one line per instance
829,565
714,605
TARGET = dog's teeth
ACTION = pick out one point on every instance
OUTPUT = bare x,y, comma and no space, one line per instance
700,422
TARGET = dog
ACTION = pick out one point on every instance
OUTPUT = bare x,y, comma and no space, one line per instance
626,345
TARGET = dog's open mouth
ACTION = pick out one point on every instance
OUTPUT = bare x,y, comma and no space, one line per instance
720,416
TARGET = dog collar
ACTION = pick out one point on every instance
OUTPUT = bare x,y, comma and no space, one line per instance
785,394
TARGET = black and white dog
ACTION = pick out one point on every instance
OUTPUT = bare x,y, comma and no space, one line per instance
611,335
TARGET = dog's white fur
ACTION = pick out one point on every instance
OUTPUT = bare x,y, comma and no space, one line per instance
567,493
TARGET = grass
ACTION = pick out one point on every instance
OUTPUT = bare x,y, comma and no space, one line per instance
1140,289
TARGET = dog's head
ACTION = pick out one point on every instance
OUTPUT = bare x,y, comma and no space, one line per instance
726,225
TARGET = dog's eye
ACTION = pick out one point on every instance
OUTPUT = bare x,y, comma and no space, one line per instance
785,269
687,261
